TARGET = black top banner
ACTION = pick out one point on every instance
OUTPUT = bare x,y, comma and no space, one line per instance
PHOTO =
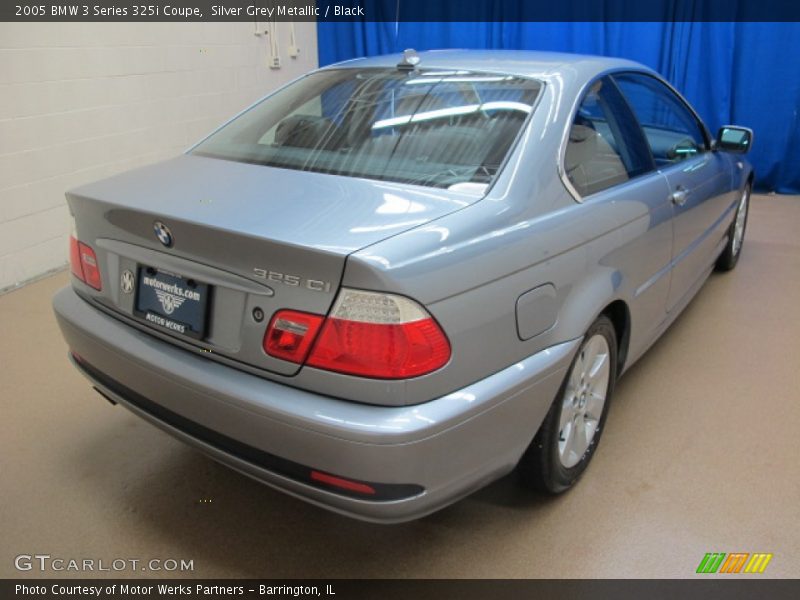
400,10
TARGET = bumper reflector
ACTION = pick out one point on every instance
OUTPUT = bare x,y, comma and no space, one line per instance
345,484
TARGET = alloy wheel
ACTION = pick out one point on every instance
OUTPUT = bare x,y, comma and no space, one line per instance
741,219
583,400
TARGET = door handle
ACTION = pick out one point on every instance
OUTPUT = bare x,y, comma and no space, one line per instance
679,196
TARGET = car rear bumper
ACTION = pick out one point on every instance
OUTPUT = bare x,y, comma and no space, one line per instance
418,458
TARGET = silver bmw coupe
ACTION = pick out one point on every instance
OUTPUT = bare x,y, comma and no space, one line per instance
397,279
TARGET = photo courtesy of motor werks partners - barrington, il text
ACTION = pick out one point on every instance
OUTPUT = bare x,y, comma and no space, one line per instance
166,590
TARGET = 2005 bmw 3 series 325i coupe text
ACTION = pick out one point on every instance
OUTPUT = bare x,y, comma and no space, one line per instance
396,279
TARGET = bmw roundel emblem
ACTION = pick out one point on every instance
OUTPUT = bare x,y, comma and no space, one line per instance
127,281
163,233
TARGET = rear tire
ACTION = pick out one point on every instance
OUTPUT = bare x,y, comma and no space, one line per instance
568,437
733,249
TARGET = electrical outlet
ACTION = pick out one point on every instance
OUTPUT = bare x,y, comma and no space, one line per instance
294,51
275,62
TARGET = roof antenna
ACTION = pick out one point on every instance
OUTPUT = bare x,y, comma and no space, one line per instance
410,60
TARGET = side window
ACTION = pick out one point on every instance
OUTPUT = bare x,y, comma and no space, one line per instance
605,145
672,131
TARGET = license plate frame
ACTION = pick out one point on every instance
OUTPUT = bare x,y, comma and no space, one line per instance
172,302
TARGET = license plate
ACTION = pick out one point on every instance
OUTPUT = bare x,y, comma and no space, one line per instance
172,302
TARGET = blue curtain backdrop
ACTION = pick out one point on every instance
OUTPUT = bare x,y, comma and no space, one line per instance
742,73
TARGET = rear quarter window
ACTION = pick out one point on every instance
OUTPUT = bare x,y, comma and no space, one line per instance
605,146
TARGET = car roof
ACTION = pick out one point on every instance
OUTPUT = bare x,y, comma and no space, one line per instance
524,63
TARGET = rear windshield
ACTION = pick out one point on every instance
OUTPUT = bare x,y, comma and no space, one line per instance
432,128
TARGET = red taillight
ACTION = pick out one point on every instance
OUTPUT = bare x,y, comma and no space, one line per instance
83,263
290,334
382,336
368,334
345,484
382,351
91,272
75,258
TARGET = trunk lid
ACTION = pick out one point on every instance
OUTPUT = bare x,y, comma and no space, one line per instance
260,238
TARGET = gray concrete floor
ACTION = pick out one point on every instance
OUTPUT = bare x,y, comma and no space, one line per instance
700,454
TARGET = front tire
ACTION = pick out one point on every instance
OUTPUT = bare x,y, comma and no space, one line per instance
568,437
730,256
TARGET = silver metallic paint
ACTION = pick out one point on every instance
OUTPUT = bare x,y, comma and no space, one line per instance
467,259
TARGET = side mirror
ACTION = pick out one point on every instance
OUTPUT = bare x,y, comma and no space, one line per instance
734,139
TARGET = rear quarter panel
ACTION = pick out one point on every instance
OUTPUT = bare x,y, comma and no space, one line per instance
470,268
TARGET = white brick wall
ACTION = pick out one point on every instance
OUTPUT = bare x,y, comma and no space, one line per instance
82,101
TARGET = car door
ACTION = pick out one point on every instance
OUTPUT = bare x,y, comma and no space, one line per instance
696,175
607,163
